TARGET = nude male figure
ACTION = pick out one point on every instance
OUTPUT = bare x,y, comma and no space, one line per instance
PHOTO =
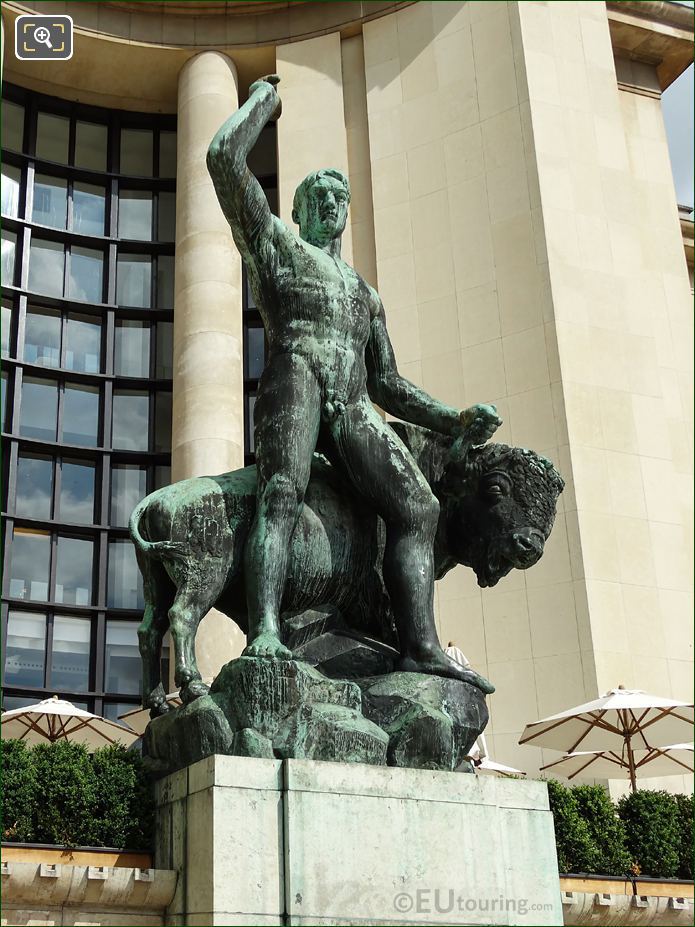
329,355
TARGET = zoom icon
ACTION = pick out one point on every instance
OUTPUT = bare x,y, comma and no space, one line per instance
43,38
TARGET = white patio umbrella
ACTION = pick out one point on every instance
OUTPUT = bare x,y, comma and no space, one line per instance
55,719
665,761
488,767
621,721
138,718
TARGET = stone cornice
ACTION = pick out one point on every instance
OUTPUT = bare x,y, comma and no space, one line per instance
654,32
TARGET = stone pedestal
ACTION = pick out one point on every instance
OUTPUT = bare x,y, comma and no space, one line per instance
260,841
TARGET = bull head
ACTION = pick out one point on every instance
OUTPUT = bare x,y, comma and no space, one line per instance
500,506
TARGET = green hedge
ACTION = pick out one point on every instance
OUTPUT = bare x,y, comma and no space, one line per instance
648,833
61,794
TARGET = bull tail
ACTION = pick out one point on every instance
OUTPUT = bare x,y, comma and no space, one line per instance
157,549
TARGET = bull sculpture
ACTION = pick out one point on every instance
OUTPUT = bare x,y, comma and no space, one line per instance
497,507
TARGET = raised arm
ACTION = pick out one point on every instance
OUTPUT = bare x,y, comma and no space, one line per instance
240,195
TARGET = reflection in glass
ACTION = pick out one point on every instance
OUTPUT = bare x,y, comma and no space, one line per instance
135,215
136,152
39,409
131,417
52,133
167,154
128,487
13,126
76,503
46,266
81,415
74,571
163,364
132,349
34,486
70,659
166,216
90,146
88,209
255,351
30,557
82,344
124,585
42,337
6,326
9,246
50,201
114,710
123,665
10,702
86,274
162,422
11,177
165,281
25,652
133,280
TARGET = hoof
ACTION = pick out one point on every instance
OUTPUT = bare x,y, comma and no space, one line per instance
193,690
157,703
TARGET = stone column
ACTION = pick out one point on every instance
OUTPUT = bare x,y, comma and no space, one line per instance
208,413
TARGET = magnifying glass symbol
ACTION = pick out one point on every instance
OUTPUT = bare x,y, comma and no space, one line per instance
42,35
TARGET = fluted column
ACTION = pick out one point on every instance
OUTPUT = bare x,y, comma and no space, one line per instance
208,413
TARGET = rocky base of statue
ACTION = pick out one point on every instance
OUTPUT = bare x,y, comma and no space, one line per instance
286,709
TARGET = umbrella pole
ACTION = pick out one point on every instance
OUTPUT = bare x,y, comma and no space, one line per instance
631,764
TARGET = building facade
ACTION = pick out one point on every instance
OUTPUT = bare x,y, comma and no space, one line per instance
512,200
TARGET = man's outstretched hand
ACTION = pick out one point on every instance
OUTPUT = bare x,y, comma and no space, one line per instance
479,423
271,80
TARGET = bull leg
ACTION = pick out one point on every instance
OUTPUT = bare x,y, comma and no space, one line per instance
151,634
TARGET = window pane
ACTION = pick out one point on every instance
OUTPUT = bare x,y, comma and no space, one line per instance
25,652
3,397
82,344
76,503
52,134
162,422
165,350
166,217
255,351
165,282
136,152
70,661
34,487
11,177
250,405
86,275
50,201
88,209
46,266
162,477
132,349
9,246
113,711
135,215
74,571
30,555
42,337
123,666
39,409
13,126
167,154
124,587
90,146
81,415
250,298
6,326
133,280
128,487
131,418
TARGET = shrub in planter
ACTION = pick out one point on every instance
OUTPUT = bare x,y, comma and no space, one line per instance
576,850
67,793
123,813
653,832
19,791
605,828
686,805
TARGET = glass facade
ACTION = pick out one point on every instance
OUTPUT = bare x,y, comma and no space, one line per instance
88,215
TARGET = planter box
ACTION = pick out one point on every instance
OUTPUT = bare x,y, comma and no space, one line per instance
608,900
76,856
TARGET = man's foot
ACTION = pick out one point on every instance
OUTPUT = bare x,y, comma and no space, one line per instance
267,645
439,664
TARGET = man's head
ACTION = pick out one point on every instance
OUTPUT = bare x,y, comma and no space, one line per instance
320,206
